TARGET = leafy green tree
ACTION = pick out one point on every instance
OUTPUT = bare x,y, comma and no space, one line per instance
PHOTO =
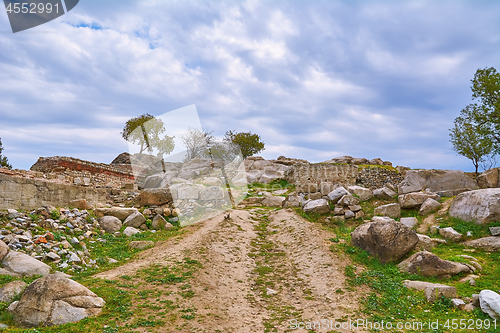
250,144
4,162
486,112
146,130
470,140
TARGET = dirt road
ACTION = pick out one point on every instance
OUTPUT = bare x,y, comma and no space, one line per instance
261,270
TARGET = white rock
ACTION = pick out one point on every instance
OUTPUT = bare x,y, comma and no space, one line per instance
490,303
450,234
410,222
130,231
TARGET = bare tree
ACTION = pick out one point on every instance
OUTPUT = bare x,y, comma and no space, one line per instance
196,143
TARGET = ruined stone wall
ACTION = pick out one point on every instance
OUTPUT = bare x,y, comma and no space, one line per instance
322,172
311,178
26,193
80,172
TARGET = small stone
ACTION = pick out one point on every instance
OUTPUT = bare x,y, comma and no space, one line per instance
349,214
130,231
495,231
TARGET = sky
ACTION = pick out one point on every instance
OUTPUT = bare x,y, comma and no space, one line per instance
315,79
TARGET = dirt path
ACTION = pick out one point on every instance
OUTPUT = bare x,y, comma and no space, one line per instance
262,271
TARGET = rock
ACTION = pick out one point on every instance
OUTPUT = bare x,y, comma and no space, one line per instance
488,179
268,175
326,187
291,201
450,234
495,231
391,210
12,289
382,219
363,193
140,245
432,291
110,224
13,214
24,265
348,200
386,240
4,249
384,193
273,201
158,223
55,300
337,194
80,204
155,196
490,243
349,214
307,188
414,200
53,256
135,220
458,303
427,243
168,226
435,181
167,212
410,222
430,205
426,224
355,208
118,212
314,196
130,231
319,206
176,212
12,307
427,264
189,192
479,206
153,181
489,302
212,193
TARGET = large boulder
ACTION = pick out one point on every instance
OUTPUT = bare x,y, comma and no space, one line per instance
415,200
319,206
135,220
273,201
435,181
490,303
479,206
23,265
488,179
110,224
155,196
362,193
392,210
428,206
335,195
55,300
269,175
490,244
387,240
428,264
118,212
11,290
384,193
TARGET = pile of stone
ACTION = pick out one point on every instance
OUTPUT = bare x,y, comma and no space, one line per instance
22,232
358,161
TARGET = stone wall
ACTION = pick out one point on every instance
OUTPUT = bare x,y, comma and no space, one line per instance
26,193
374,177
80,172
322,172
311,178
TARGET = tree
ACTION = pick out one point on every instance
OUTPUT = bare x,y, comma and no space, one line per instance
197,143
486,112
476,134
146,130
249,143
469,140
4,162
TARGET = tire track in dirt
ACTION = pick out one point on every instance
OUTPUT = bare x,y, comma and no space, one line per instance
261,269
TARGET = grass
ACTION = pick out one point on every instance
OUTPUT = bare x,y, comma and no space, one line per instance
388,299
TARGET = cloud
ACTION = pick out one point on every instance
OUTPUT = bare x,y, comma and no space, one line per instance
315,79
